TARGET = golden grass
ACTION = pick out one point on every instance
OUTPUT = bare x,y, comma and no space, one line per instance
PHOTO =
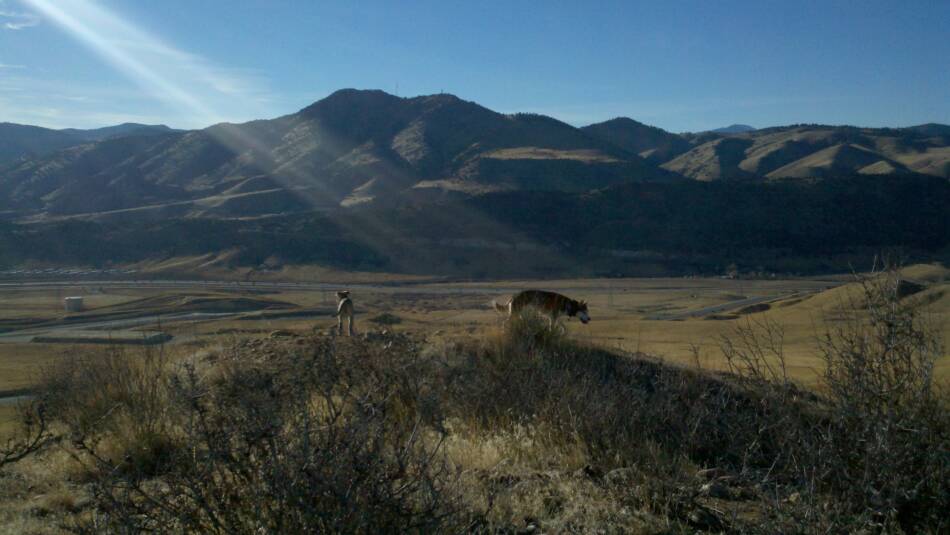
45,304
39,493
802,320
534,477
621,310
541,483
538,153
20,362
7,421
932,161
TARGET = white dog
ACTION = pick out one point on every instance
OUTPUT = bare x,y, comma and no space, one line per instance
344,310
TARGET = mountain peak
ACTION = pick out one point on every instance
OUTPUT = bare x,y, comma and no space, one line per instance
439,97
619,121
351,92
351,97
650,142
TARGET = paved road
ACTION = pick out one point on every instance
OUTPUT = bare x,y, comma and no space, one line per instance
25,335
413,287
432,287
715,308
13,400
395,287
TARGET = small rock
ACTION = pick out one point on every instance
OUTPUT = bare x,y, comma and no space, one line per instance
704,519
711,473
589,472
530,525
715,489
281,334
619,476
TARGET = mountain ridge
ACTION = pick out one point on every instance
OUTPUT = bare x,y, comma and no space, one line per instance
353,146
650,142
734,129
772,153
19,141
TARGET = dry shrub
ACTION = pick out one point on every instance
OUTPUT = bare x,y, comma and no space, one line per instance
116,402
655,423
888,446
31,435
385,319
350,436
873,453
315,441
531,374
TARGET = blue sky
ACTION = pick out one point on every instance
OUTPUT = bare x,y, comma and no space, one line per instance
683,66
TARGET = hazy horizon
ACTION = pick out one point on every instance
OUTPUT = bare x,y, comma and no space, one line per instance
757,127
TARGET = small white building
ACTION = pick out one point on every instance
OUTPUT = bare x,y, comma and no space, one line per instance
73,304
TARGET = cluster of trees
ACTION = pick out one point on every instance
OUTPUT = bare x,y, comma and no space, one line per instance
721,222
299,239
729,217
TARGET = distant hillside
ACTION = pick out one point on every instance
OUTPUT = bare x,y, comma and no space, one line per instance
638,228
713,160
654,144
19,141
119,130
23,141
349,148
816,151
367,146
436,184
734,129
789,152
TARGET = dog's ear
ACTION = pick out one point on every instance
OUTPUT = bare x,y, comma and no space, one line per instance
582,305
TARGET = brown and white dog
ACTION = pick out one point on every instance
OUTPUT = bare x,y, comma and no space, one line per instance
344,310
551,304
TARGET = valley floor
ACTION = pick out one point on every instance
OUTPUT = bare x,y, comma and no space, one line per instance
638,325
681,320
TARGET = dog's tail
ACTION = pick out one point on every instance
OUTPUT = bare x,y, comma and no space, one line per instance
499,307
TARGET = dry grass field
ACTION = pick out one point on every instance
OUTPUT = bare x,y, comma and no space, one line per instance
680,320
506,423
675,320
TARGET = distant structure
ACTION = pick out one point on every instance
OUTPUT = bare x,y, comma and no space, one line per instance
73,304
